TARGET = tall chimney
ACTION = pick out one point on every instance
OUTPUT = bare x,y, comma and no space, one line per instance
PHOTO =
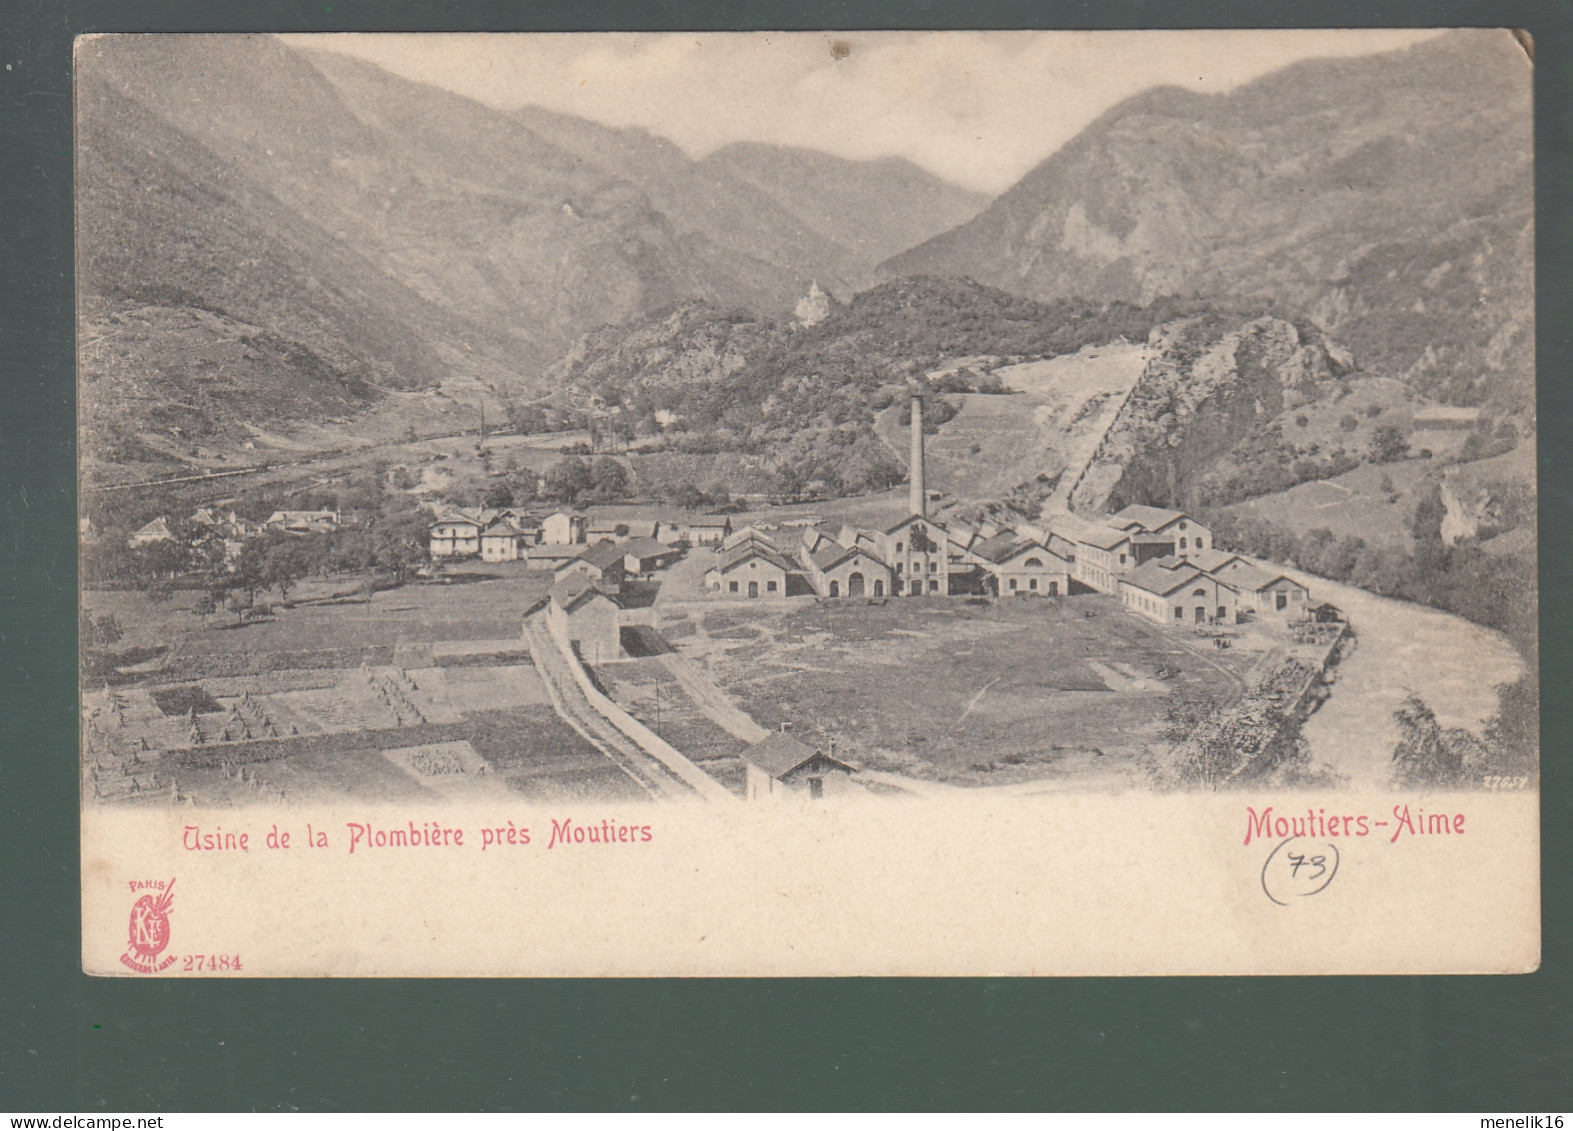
917,498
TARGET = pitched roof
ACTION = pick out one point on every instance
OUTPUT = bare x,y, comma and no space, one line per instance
779,754
1000,547
1059,545
1103,537
646,548
501,529
575,591
158,528
1149,518
1154,577
1025,547
1209,560
553,551
602,554
741,554
830,554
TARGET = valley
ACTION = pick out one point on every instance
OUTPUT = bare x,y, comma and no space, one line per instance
1192,435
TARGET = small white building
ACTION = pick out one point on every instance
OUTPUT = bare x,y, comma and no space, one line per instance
781,768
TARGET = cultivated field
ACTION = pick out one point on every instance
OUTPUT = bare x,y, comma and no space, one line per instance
424,694
958,692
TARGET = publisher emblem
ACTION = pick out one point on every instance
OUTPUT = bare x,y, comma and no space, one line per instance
149,932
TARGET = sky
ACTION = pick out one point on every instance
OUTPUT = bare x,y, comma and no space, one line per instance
977,108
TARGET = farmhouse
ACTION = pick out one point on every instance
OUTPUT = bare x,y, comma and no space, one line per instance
1178,594
589,618
754,569
600,564
781,767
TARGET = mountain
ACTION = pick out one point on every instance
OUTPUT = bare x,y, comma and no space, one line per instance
378,232
875,209
1388,197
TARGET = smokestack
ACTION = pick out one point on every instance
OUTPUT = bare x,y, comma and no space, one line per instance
917,498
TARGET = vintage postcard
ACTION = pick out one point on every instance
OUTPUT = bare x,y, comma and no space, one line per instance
807,504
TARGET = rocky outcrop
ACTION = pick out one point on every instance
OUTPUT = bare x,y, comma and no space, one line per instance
1206,387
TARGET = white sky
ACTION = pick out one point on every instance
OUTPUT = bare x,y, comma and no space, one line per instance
977,108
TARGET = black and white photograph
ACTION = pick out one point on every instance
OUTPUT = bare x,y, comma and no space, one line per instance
837,431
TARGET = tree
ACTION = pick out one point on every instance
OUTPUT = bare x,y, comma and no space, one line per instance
284,562
1423,757
689,497
239,601
569,479
205,607
497,496
608,479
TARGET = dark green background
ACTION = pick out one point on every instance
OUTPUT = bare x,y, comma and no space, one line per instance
74,1043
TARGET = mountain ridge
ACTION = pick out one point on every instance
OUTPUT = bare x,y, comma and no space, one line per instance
1327,185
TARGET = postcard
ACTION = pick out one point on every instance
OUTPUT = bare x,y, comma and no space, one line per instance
1027,503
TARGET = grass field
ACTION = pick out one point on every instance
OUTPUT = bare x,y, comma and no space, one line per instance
970,694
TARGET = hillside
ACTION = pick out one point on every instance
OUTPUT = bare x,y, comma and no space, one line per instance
874,209
700,380
1389,198
382,233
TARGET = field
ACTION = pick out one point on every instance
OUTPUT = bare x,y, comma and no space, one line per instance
407,698
1350,505
958,692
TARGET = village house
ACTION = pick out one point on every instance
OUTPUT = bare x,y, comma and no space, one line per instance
564,528
1181,594
754,569
780,767
302,522
156,531
600,564
590,618
504,541
457,533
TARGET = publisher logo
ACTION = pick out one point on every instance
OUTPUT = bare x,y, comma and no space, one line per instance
149,930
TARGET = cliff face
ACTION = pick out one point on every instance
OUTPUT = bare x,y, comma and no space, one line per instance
1389,198
1205,389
